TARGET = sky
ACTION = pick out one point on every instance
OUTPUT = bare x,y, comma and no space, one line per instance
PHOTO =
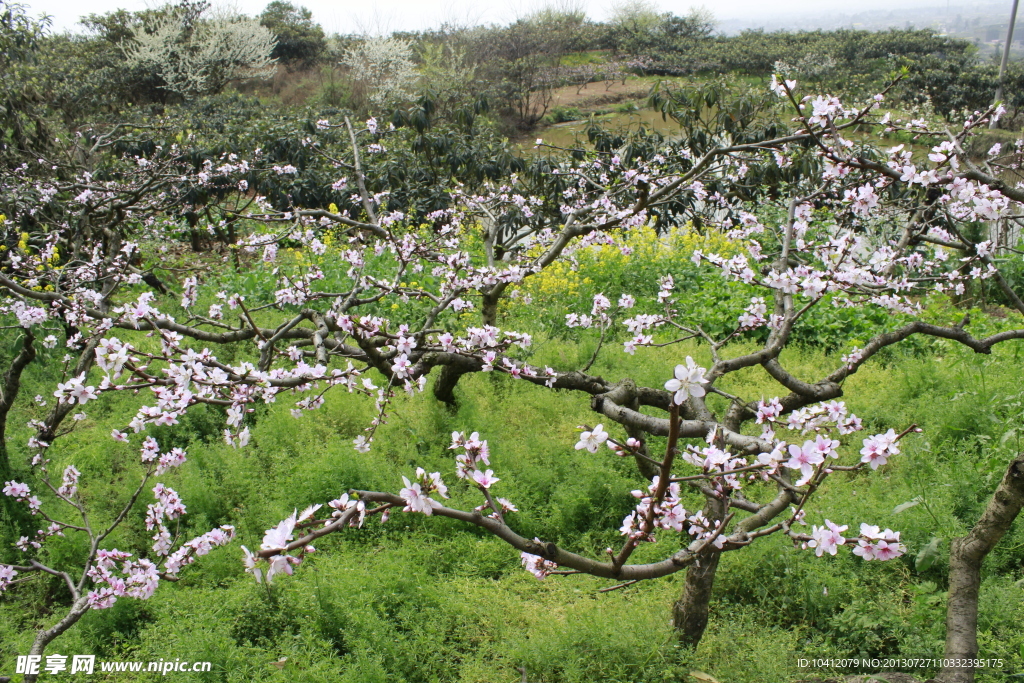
359,16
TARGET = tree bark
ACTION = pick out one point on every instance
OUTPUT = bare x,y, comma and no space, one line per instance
46,636
690,612
9,393
489,309
1005,59
447,380
965,558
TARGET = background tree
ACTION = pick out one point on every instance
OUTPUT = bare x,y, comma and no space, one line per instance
520,61
300,40
382,71
22,125
195,55
637,29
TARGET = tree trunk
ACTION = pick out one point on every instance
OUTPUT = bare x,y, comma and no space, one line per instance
9,393
1005,59
690,612
47,636
447,380
965,558
5,465
489,309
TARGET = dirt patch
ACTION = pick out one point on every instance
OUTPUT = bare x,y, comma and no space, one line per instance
599,93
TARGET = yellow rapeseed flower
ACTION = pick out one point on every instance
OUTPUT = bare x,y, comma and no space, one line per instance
645,246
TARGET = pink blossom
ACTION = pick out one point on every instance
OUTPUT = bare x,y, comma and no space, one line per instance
687,381
826,539
416,500
16,490
804,458
484,479
537,565
592,440
878,448
278,537
401,366
7,574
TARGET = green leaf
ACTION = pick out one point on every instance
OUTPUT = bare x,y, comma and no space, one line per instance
906,506
928,555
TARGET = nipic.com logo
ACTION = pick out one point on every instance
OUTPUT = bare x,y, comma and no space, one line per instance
87,664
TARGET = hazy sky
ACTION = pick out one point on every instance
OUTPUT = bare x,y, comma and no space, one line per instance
351,16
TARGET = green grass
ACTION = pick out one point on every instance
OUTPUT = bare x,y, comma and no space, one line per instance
428,599
422,599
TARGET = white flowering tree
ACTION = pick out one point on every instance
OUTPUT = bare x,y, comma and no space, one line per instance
196,55
870,229
383,68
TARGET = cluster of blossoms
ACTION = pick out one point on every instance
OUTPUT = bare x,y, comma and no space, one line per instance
139,578
191,377
416,494
723,471
23,494
598,316
343,503
637,326
467,466
755,315
277,540
878,545
667,513
815,418
74,390
871,545
115,573
878,448
721,464
167,507
537,565
69,482
150,453
810,455
132,578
